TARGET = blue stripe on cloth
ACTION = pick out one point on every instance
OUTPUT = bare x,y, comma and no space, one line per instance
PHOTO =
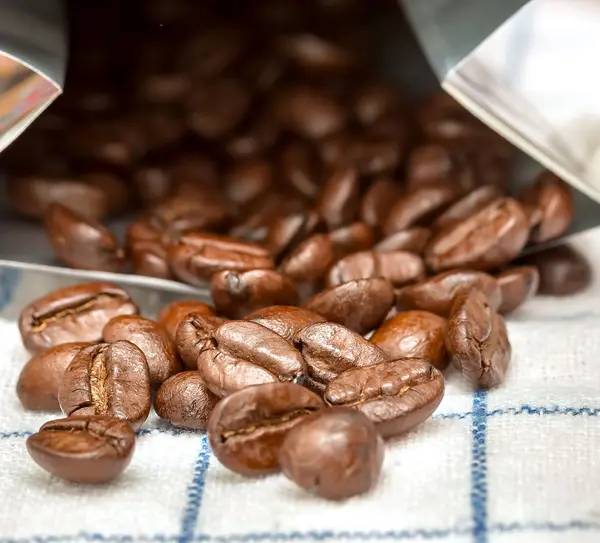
9,280
195,493
479,468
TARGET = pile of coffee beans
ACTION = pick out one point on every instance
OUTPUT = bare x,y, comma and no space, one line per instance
354,244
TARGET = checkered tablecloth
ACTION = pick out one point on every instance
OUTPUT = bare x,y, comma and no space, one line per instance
518,464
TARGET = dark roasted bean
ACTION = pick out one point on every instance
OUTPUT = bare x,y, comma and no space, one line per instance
194,334
339,199
288,231
300,169
310,260
286,321
357,236
171,316
248,180
413,240
517,285
378,201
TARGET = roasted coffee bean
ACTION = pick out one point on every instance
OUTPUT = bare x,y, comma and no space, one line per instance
489,238
245,354
517,285
467,206
414,334
300,169
357,236
248,180
150,259
399,267
310,260
109,379
309,112
339,199
396,396
171,316
198,256
81,243
413,240
554,198
246,429
372,155
375,101
185,401
418,207
431,163
76,313
563,270
359,305
194,334
315,54
286,321
193,168
329,349
437,293
288,231
477,340
89,450
311,454
153,183
254,138
151,338
378,201
235,294
40,378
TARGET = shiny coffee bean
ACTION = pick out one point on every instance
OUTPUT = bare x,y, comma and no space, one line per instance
437,293
315,54
357,236
235,294
198,256
517,285
150,259
467,206
89,450
248,180
194,334
339,199
76,313
81,243
396,396
489,238
373,155
329,349
311,454
286,321
413,240
378,201
419,206
286,232
109,379
563,270
300,169
254,137
359,305
431,163
40,378
477,340
171,316
246,429
399,267
153,183
310,260
374,101
246,354
151,338
185,401
554,198
414,334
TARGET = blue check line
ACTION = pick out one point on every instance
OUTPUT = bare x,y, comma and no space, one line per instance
479,488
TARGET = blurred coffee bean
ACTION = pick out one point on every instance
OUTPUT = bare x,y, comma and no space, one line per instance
378,201
193,168
315,54
150,259
285,320
309,262
467,206
300,169
375,101
355,237
253,138
413,240
162,87
339,199
248,180
288,231
153,183
517,285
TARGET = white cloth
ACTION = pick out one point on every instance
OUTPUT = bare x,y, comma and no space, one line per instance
518,464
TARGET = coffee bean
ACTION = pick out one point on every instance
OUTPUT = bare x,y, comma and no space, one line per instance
413,240
109,379
89,450
378,201
246,429
185,401
150,259
310,260
248,180
288,231
246,354
171,316
194,334
339,199
237,294
489,238
198,256
357,236
350,436
153,183
563,270
314,53
373,155
40,378
414,334
396,396
151,339
437,293
517,285
477,340
359,305
286,321
553,197
418,207
375,101
467,206
399,267
300,169
81,243
76,313
329,349
254,138
432,163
